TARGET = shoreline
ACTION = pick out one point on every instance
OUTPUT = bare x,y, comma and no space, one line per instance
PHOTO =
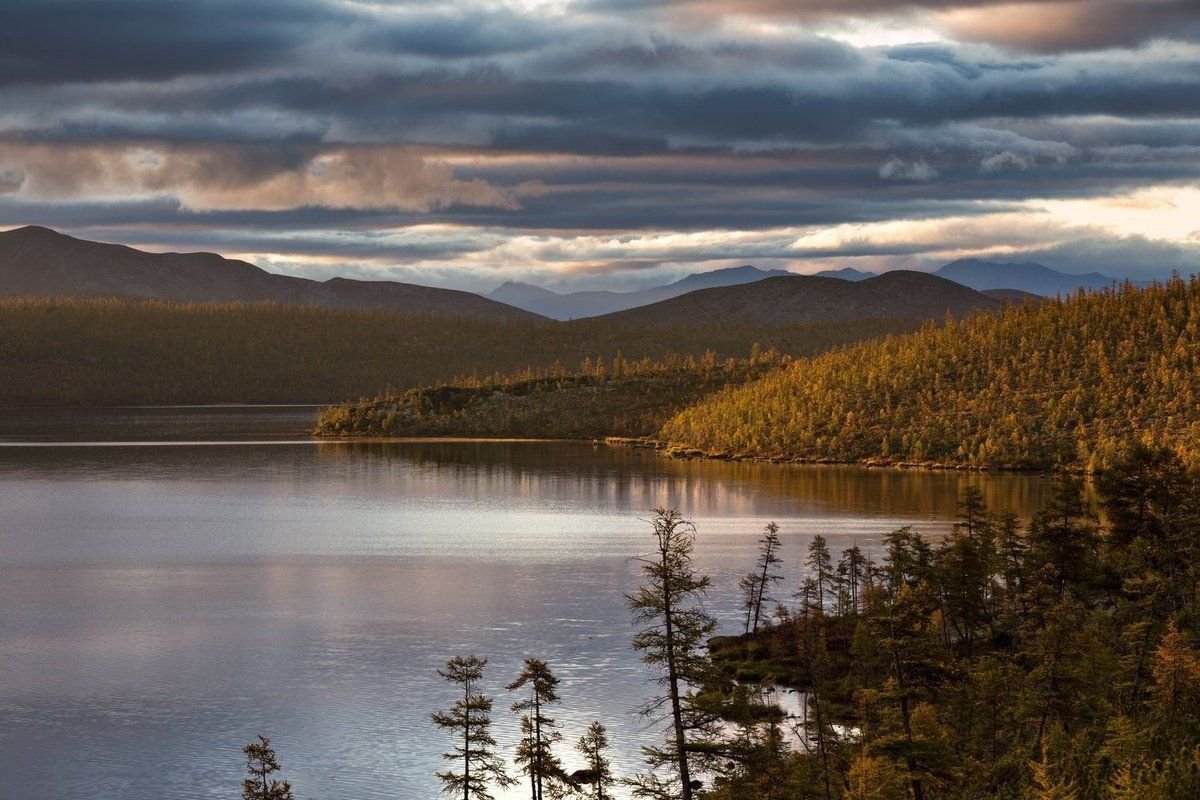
684,453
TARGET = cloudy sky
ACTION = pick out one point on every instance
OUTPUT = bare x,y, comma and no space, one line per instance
618,143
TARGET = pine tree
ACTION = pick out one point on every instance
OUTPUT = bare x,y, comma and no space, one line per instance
593,746
819,565
539,732
1175,694
673,642
469,721
261,764
755,585
1064,537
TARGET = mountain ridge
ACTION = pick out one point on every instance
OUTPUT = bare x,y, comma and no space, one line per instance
40,262
807,298
1028,276
595,303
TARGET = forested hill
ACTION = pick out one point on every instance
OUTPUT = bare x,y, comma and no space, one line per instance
805,298
113,352
39,262
1057,383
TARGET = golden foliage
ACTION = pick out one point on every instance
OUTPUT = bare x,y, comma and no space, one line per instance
1058,383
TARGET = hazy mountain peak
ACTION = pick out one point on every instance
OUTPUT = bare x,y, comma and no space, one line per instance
1026,276
845,274
575,305
728,276
521,295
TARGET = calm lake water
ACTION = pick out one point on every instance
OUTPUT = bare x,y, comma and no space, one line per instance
177,580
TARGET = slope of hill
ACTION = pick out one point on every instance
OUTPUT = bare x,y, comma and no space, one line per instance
804,298
1056,383
1013,296
39,262
122,352
1028,277
578,305
600,399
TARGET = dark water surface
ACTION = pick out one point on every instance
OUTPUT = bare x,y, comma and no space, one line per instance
175,581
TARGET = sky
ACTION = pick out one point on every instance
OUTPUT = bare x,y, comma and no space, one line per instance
608,143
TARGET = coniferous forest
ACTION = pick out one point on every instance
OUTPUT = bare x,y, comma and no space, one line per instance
1050,384
1056,659
95,352
1059,383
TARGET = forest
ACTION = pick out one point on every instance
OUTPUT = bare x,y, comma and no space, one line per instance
113,352
597,399
1059,383
1050,660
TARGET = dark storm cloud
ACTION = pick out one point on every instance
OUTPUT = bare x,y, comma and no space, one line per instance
617,111
266,124
47,41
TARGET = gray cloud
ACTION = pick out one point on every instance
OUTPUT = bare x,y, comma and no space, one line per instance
1037,25
11,180
215,120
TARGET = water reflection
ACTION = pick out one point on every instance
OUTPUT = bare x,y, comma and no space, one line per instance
180,599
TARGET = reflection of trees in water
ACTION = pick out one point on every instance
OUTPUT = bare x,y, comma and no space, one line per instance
605,476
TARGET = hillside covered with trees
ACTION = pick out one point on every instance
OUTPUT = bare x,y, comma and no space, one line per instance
121,352
1053,384
617,398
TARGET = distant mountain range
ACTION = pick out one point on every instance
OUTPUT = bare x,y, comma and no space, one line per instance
1003,279
575,305
40,262
37,261
1012,282
808,298
1028,277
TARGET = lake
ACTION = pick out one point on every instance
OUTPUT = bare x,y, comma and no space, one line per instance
177,580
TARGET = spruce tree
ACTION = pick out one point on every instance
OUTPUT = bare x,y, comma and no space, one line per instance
469,722
673,642
539,732
755,585
261,764
593,746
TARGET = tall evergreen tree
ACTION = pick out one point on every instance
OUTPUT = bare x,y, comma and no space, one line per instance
819,566
539,732
469,722
755,585
593,746
261,764
1064,536
673,642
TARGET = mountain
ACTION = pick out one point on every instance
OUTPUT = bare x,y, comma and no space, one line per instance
845,273
515,293
576,305
39,262
806,298
1028,277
